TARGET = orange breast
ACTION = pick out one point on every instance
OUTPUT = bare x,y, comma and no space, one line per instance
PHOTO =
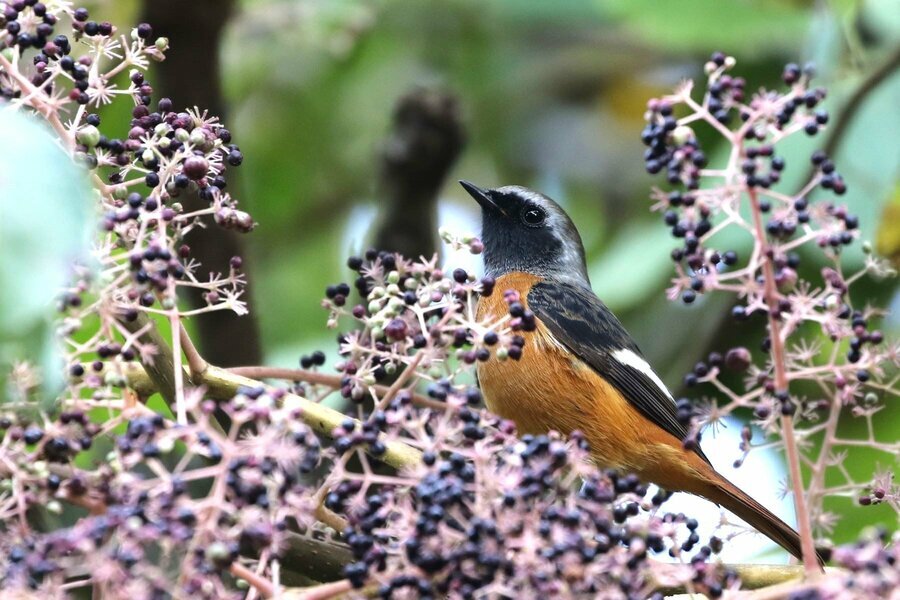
550,388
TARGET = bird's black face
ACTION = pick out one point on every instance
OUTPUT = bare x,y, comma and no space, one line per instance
526,231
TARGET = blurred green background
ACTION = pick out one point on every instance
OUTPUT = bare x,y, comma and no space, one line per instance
550,95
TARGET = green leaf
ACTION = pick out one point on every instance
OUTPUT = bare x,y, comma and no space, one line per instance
626,283
45,218
728,25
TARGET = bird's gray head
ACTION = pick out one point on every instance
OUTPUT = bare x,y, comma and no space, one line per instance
526,231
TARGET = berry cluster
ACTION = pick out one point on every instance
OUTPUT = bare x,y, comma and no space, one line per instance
206,503
73,433
690,211
527,517
793,75
670,147
140,513
31,24
726,92
141,175
347,436
416,309
767,281
861,337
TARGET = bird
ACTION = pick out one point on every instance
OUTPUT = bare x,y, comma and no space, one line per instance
581,370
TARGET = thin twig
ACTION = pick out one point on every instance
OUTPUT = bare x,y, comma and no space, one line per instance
180,406
401,381
807,545
875,78
330,518
221,384
196,363
49,114
262,585
316,378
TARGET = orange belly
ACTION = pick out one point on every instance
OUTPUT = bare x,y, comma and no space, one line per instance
551,389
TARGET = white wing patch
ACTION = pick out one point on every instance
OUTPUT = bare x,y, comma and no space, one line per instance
629,358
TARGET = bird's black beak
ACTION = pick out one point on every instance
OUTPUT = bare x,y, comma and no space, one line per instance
482,197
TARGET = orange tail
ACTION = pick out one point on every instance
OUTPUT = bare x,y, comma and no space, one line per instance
723,492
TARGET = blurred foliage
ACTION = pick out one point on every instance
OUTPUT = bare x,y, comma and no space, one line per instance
45,225
554,94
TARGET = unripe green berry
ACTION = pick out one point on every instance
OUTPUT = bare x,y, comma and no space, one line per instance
88,135
166,445
218,553
39,468
682,135
197,138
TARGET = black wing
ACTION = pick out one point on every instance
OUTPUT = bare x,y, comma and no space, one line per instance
583,324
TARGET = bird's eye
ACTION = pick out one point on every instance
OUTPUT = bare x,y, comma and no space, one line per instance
533,216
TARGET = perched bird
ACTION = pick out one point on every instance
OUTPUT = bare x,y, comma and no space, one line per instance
580,369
